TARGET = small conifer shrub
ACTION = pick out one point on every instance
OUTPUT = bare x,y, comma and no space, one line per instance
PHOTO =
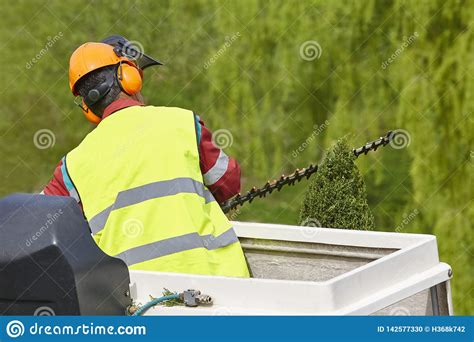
336,197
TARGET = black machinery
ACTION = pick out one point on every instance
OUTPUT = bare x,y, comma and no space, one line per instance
50,265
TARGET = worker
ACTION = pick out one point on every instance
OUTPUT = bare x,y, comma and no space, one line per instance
148,178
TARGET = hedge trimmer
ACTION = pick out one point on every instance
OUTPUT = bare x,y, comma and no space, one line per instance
298,175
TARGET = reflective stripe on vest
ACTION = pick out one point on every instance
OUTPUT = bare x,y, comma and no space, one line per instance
150,191
177,244
139,180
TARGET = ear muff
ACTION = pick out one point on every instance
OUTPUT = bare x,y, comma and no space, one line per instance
129,78
90,116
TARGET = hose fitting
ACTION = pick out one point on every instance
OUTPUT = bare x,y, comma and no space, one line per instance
194,298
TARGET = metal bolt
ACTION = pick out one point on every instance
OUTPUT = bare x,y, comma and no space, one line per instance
131,309
450,273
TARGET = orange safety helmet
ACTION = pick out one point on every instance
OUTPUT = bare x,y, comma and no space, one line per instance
92,56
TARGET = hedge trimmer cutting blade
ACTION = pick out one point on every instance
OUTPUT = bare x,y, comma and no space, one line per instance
298,175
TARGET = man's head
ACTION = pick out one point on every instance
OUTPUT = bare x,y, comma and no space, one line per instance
100,73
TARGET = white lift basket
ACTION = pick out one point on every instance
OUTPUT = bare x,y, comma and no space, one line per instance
317,271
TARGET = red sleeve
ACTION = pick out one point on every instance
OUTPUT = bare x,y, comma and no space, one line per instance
56,186
221,172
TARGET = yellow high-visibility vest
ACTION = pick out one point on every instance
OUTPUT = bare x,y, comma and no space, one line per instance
138,178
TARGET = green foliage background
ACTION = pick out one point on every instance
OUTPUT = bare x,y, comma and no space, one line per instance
270,98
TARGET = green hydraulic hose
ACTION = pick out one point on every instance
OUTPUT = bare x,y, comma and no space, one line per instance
141,310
